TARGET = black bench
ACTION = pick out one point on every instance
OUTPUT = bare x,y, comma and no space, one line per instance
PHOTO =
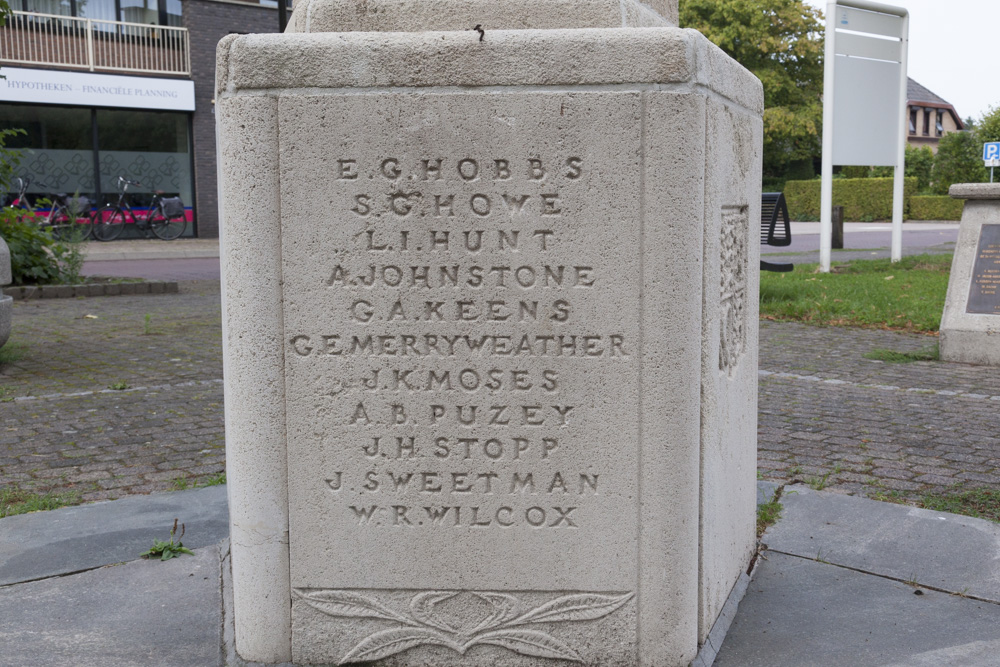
772,211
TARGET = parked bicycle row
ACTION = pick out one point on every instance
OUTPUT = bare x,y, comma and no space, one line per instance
73,218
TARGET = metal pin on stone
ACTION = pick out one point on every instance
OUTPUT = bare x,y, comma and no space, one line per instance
479,29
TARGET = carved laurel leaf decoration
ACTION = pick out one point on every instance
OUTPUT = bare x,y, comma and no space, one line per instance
422,607
575,607
528,642
390,642
505,608
351,605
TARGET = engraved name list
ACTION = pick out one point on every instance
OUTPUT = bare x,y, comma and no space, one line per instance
462,324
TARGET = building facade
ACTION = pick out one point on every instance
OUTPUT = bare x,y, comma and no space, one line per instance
109,88
930,117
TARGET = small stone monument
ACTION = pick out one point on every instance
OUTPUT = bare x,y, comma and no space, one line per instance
970,325
490,332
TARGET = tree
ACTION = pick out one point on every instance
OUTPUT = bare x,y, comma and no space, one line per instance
781,42
988,127
958,160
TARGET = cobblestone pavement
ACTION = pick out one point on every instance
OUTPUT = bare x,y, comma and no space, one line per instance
827,415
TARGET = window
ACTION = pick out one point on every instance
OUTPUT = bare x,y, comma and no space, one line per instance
57,149
151,147
60,7
156,12
927,122
913,121
140,11
59,154
104,10
938,125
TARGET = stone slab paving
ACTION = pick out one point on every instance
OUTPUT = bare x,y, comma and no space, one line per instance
849,581
138,613
868,427
75,539
802,613
942,551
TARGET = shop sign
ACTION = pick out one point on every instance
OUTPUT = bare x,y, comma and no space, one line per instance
95,90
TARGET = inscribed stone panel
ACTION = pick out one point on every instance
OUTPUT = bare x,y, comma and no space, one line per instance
461,310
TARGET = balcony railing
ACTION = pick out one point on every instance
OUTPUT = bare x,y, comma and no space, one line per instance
94,44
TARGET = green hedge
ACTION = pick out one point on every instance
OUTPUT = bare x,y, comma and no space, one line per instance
862,198
935,207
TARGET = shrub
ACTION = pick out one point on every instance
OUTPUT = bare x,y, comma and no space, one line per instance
935,207
959,160
35,257
862,198
919,163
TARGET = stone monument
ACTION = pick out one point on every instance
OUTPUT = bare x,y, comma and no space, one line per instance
970,324
490,332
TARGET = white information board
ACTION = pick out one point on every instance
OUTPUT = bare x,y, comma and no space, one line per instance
864,102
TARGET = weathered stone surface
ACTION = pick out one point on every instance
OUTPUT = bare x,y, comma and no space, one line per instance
423,16
975,190
5,275
490,347
970,324
6,302
6,318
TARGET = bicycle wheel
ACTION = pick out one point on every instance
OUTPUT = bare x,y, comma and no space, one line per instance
108,223
166,228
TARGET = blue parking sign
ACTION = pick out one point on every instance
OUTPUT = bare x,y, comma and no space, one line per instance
991,151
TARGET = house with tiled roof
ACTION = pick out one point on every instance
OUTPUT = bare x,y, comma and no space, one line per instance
930,116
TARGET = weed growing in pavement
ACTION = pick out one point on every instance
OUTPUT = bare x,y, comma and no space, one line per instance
767,514
979,503
6,392
181,484
932,353
167,550
147,325
820,483
15,501
121,385
11,352
214,480
795,471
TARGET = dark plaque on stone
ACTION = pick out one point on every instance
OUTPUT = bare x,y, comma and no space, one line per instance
984,292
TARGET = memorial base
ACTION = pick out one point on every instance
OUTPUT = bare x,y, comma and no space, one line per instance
490,341
970,324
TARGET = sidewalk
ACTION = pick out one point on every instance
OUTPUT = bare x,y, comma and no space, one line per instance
96,251
842,581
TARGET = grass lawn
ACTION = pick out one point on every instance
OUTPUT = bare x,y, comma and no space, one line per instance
875,293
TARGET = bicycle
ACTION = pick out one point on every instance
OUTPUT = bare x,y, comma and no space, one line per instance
165,216
67,217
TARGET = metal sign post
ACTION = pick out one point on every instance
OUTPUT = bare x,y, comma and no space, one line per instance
864,102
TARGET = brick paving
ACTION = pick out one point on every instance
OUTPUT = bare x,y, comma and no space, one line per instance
826,413
830,416
63,429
